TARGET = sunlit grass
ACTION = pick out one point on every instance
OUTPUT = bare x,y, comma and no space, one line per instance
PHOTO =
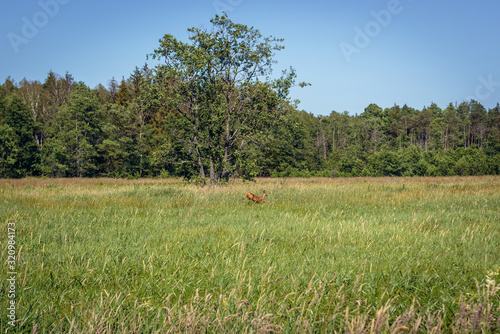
322,255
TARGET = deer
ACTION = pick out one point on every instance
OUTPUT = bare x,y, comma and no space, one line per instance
256,199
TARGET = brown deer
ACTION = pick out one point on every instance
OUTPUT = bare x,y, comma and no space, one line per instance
256,199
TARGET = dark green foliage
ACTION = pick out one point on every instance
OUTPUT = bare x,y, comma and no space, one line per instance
88,136
116,148
209,109
79,129
218,86
19,152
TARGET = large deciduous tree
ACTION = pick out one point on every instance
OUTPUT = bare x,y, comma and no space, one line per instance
219,87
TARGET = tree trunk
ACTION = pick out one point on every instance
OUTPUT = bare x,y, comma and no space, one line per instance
225,163
225,170
333,140
212,172
198,155
324,146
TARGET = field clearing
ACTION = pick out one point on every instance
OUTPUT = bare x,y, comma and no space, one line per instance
359,255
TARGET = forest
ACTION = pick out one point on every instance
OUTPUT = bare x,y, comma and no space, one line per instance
212,109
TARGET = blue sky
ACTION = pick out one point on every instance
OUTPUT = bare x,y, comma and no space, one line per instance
352,52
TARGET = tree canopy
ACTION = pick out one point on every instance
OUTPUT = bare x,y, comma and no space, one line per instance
212,108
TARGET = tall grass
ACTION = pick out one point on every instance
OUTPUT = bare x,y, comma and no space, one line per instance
365,255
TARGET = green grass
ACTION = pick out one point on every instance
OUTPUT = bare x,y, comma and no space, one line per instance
362,255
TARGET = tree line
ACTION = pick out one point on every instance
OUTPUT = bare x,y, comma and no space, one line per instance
213,109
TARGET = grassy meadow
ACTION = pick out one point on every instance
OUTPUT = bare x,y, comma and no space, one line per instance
360,255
